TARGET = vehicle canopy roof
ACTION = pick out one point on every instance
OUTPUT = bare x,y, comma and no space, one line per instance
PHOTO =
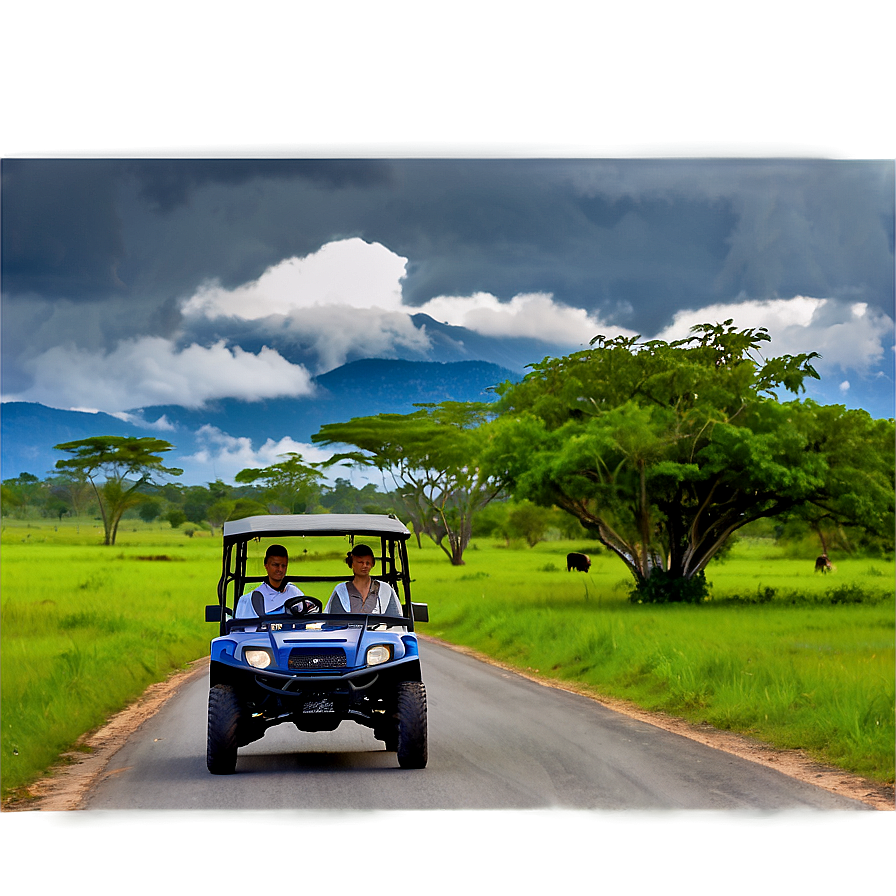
315,524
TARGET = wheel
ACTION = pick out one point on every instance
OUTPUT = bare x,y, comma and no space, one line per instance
224,712
411,742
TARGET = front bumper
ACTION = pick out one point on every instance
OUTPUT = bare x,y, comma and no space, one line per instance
226,669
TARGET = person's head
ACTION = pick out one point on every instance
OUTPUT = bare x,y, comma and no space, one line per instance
360,559
276,561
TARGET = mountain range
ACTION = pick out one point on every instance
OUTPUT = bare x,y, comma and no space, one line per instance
360,388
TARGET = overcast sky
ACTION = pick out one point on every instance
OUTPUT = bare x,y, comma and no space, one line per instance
134,282
161,265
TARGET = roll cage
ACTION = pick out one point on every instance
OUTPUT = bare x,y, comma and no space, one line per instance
391,535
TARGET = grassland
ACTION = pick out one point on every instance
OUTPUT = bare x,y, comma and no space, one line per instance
794,658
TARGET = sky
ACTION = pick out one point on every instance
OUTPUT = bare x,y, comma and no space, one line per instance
179,238
143,281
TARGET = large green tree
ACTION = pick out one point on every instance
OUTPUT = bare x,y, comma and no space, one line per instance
117,468
664,449
431,456
290,486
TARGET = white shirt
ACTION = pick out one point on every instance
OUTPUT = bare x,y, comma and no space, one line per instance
273,600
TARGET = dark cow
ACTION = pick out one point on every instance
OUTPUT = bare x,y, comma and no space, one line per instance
578,562
823,565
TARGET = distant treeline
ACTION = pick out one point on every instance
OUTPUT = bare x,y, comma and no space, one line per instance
206,508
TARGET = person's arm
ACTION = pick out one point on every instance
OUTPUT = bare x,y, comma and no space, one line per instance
392,604
334,604
244,609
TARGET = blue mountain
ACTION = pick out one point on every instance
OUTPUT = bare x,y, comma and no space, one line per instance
29,431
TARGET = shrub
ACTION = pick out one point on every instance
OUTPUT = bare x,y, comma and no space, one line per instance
663,587
176,517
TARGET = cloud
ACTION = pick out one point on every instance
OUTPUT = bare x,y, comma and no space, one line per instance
345,272
346,300
221,455
151,370
162,424
848,335
341,301
533,315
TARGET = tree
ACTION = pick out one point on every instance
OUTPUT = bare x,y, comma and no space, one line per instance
22,493
117,468
74,489
290,486
343,497
527,520
664,450
514,520
150,509
431,456
175,517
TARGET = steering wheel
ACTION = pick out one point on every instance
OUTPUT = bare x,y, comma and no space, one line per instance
302,606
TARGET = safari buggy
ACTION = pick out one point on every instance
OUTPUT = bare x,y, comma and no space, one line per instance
318,669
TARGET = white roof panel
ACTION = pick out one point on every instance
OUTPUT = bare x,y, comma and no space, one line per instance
315,524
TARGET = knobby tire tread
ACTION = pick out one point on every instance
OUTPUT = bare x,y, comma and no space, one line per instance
413,750
223,728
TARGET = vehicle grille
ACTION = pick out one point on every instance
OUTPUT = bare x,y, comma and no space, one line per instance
316,659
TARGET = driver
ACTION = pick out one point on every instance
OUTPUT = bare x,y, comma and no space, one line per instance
275,595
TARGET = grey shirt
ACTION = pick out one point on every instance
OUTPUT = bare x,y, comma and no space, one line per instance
368,604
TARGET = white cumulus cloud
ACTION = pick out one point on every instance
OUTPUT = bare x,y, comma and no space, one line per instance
349,272
221,456
532,315
344,298
151,370
162,424
848,335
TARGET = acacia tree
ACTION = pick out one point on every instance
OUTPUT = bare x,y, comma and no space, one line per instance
431,456
117,468
291,485
664,450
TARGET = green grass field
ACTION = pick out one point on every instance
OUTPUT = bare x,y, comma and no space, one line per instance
794,658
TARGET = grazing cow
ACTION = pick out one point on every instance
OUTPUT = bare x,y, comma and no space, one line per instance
578,562
823,564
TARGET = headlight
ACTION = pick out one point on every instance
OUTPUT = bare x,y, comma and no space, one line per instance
258,657
381,653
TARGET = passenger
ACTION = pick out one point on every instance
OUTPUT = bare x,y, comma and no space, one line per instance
275,595
362,594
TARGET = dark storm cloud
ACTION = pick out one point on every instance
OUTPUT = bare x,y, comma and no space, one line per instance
168,183
519,227
633,240
65,221
61,233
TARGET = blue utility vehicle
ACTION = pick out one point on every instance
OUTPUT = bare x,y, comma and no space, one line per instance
312,669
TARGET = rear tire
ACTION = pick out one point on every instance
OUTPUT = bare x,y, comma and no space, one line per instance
224,715
412,747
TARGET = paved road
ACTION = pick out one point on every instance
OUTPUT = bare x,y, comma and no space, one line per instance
497,741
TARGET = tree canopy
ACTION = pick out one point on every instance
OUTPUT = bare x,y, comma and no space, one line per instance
117,467
431,456
664,449
290,486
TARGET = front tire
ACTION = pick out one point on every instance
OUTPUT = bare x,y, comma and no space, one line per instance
412,747
224,715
